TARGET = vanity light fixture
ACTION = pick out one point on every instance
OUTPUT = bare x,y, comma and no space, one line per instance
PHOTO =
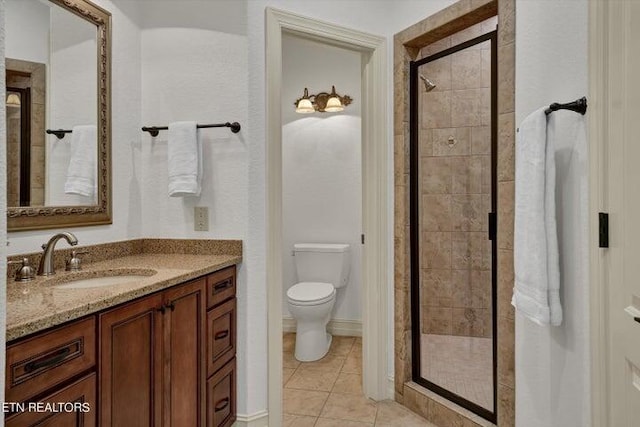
322,102
13,100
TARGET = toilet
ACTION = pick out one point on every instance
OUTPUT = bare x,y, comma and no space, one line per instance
322,269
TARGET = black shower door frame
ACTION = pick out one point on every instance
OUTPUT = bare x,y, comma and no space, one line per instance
414,221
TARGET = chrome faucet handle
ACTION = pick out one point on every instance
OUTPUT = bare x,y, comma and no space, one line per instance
75,263
26,272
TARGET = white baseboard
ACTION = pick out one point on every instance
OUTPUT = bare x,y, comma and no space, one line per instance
340,327
258,419
391,388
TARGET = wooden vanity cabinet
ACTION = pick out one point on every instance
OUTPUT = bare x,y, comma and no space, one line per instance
154,355
166,359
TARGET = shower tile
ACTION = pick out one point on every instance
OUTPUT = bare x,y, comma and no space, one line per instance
436,212
506,154
435,287
466,35
436,110
435,173
505,283
466,69
435,47
460,250
485,68
480,289
425,148
467,213
444,146
467,107
437,320
435,248
506,76
439,72
466,174
480,251
485,165
506,358
481,140
506,406
461,289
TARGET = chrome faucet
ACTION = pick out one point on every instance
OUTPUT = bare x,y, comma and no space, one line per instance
46,267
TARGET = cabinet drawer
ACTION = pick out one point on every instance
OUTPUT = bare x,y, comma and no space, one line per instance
221,397
221,335
221,286
41,362
81,394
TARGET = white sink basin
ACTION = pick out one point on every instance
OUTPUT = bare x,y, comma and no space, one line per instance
105,278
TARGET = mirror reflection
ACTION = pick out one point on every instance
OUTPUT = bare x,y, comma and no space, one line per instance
51,83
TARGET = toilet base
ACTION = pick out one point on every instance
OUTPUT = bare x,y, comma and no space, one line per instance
311,347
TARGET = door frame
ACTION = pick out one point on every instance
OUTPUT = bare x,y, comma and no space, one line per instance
606,65
375,196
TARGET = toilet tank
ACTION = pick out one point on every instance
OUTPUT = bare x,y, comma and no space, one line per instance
323,262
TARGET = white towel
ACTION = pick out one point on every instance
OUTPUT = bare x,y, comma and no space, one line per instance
536,264
185,159
81,174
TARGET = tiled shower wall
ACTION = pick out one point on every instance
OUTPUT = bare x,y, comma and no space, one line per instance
455,187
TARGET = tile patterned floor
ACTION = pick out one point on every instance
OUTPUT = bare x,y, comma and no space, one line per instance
460,364
328,392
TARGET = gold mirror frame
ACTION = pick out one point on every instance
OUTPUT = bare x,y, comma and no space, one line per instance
42,217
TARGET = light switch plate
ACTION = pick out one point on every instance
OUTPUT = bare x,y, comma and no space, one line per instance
201,218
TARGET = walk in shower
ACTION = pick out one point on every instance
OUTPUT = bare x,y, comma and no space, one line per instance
453,105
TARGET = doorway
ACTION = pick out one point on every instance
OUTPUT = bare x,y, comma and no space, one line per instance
375,169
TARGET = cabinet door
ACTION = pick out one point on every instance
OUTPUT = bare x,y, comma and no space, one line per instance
131,364
184,341
81,394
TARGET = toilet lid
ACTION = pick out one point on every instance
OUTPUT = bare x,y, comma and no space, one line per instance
310,293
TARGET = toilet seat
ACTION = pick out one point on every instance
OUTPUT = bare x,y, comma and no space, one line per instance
310,293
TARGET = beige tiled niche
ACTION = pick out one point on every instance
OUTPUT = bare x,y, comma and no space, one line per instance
441,30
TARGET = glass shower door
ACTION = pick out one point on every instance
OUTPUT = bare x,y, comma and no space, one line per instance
453,134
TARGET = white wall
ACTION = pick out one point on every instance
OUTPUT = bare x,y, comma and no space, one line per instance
194,67
3,206
321,162
126,137
552,363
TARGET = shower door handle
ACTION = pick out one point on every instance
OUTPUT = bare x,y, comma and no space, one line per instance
492,226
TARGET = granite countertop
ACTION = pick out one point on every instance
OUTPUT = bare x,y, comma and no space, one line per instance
38,305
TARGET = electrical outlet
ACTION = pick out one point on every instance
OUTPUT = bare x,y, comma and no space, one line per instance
201,218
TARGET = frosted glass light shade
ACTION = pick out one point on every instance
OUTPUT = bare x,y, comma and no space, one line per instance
304,106
13,100
333,105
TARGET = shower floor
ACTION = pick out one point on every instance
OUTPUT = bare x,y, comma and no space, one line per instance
462,365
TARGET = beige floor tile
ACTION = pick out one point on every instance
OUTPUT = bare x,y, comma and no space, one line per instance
298,421
341,345
330,422
289,360
304,402
349,407
286,374
392,414
330,362
312,379
288,343
348,383
352,364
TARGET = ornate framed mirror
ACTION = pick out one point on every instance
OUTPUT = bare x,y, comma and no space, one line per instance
58,62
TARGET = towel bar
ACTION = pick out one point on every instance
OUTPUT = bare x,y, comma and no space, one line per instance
154,130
